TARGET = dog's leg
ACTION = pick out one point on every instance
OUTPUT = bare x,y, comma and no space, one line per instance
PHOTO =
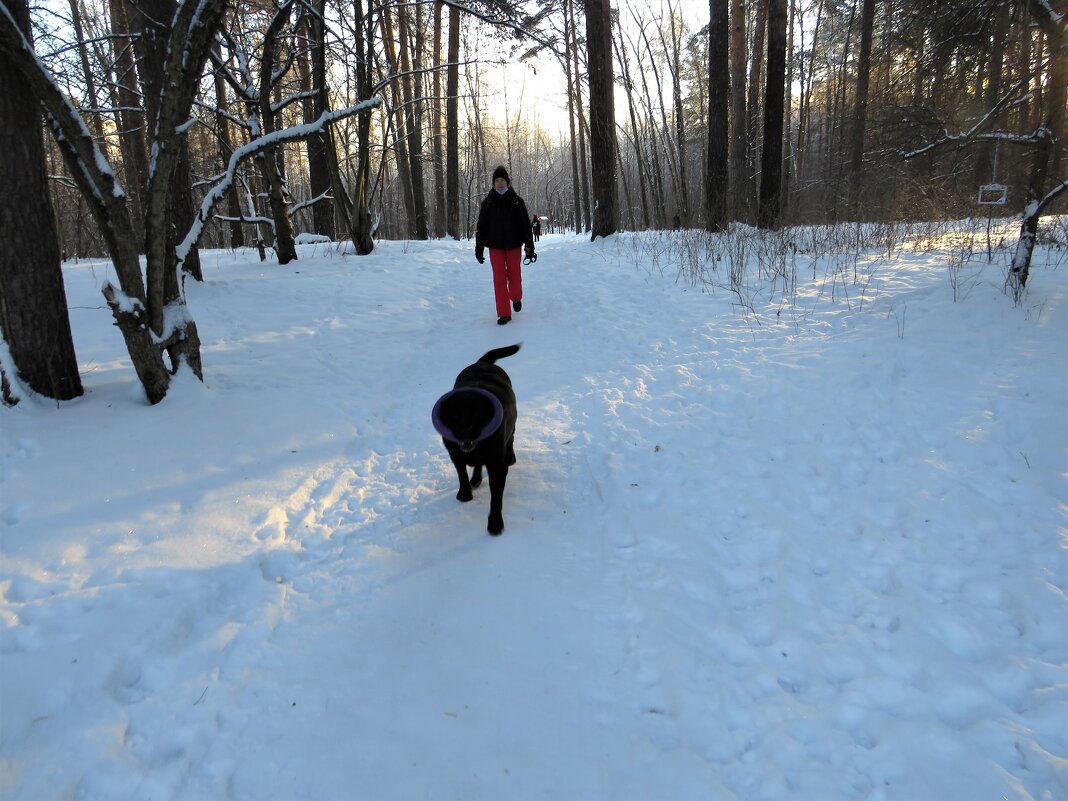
497,479
511,450
465,493
476,476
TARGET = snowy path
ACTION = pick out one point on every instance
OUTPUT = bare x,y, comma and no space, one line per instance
812,559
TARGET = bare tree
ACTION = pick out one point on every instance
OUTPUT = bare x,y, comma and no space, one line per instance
33,302
774,96
603,145
716,174
860,106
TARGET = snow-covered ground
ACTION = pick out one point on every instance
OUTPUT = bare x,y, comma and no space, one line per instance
810,549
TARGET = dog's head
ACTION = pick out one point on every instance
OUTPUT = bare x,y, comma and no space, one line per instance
467,416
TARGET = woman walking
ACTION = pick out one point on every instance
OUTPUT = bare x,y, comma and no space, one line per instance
504,228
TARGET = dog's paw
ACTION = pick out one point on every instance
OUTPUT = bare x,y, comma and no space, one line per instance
496,525
464,495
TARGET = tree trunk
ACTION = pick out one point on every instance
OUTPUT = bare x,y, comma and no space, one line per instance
132,129
411,86
984,163
99,187
774,95
572,84
400,142
226,149
361,226
452,128
1047,155
716,173
438,214
284,244
603,145
739,171
628,83
754,133
153,24
860,109
675,67
318,143
33,302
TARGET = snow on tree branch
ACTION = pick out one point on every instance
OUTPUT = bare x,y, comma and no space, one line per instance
290,134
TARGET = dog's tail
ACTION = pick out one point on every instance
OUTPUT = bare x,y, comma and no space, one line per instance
501,353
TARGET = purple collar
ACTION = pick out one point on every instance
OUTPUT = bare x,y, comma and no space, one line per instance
491,426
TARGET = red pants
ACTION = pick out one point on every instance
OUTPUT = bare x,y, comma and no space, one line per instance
507,278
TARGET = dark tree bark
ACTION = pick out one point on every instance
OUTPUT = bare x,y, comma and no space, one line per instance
603,145
716,181
269,161
1047,155
411,86
739,172
452,128
152,23
754,134
33,302
438,214
675,67
400,140
860,109
226,149
319,143
774,113
361,230
131,123
572,91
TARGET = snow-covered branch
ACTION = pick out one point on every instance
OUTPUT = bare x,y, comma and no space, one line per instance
290,134
995,136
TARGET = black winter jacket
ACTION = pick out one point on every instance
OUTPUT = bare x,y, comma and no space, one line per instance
503,222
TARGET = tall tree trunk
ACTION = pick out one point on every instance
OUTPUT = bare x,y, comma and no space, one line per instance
452,128
774,95
675,67
411,85
132,126
860,108
153,23
753,107
323,216
270,160
400,142
572,91
95,118
361,227
603,145
132,307
1048,154
984,163
226,149
716,180
33,302
628,83
438,214
739,172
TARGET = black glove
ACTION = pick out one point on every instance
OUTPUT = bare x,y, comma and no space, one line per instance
480,255
530,254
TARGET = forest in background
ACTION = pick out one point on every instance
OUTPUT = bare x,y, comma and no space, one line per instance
170,126
931,73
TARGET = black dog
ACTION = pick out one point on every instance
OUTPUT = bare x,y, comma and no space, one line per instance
476,421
